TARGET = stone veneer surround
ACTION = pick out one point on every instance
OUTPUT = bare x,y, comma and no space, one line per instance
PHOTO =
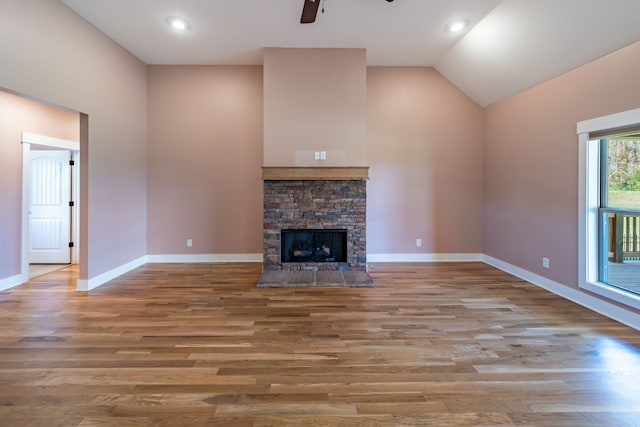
315,204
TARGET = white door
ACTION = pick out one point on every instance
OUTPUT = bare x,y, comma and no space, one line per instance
49,210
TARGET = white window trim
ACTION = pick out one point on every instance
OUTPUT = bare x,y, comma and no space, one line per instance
588,197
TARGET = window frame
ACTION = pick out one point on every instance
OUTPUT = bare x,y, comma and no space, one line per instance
590,132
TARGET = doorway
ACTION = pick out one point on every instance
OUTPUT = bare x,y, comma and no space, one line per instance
50,198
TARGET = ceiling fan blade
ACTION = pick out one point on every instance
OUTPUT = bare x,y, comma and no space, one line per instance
309,11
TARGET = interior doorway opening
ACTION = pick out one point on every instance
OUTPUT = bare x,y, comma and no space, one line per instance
50,196
26,119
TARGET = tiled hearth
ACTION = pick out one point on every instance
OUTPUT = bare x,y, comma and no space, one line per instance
315,198
315,278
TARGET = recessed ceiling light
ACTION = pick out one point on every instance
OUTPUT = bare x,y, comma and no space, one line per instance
178,24
457,26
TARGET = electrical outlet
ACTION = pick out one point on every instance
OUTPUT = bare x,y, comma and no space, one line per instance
418,242
189,243
545,262
323,155
316,155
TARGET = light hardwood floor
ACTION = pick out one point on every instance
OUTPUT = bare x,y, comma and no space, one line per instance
200,345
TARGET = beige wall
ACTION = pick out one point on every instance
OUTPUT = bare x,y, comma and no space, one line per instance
205,159
531,162
315,100
17,115
424,143
50,53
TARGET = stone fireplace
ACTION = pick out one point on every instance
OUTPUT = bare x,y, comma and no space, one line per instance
313,200
314,149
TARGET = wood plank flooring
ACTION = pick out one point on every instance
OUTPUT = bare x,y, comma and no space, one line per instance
450,344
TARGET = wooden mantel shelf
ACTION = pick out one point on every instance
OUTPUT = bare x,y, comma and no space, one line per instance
319,173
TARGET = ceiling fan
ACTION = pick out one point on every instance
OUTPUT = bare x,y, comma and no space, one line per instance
310,11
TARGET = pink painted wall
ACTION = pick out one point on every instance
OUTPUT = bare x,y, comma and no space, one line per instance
49,53
424,143
531,162
17,115
315,100
205,159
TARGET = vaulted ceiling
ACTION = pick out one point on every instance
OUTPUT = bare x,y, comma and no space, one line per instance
508,45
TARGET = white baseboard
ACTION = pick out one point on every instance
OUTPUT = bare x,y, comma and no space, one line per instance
94,282
205,258
12,281
599,306
423,257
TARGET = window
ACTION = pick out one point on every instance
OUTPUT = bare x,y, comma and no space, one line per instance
619,212
609,206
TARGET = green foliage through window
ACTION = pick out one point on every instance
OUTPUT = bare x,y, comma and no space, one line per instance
624,172
624,165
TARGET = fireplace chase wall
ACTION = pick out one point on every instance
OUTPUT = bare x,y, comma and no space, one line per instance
315,198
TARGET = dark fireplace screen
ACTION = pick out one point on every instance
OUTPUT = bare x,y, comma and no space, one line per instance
314,245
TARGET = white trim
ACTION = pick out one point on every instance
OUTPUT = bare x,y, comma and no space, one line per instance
588,196
605,308
94,282
599,306
24,232
32,138
426,257
12,281
613,293
160,258
75,220
612,121
87,285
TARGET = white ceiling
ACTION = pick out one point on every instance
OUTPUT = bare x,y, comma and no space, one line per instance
509,46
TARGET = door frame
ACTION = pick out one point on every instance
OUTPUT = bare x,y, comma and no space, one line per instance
74,148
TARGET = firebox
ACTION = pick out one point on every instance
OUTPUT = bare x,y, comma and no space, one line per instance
314,245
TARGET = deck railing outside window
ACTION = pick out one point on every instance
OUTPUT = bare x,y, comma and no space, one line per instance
624,237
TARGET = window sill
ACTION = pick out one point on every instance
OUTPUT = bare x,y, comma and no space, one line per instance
616,294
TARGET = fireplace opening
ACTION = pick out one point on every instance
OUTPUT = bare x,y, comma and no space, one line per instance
314,245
